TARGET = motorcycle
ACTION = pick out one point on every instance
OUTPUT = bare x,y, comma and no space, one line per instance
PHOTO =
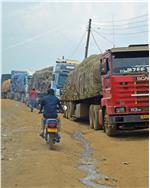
51,135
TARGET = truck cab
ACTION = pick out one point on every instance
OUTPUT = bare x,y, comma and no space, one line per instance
125,94
19,85
60,74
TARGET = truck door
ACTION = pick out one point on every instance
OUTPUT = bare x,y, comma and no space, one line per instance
106,79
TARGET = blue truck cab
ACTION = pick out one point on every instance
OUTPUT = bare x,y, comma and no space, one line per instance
19,85
60,74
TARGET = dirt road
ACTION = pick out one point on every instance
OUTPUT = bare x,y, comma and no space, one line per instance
84,158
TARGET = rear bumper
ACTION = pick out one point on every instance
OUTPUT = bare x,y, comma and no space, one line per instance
129,119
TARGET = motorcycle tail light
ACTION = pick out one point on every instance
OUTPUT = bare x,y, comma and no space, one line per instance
52,125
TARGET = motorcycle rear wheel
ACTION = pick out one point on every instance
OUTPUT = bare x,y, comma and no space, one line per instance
50,142
51,145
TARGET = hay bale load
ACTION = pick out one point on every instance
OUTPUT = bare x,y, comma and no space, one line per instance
5,88
84,82
41,79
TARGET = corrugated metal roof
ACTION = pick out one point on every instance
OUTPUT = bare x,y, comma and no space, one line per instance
131,48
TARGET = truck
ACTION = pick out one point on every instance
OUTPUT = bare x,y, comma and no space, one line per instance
111,90
40,80
5,85
5,77
19,85
5,89
60,73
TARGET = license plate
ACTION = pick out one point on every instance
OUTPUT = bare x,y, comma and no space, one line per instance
144,116
51,130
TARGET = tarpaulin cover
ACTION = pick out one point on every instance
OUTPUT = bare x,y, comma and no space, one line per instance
84,82
41,79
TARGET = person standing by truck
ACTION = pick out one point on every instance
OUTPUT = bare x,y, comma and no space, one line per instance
32,99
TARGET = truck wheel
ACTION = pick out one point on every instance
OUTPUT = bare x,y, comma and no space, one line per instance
71,109
67,111
65,114
91,116
109,129
95,117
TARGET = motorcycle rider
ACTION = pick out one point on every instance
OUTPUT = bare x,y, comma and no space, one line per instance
49,104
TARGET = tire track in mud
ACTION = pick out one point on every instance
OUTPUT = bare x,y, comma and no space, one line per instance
88,164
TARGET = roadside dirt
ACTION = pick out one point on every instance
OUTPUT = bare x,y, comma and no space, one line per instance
28,163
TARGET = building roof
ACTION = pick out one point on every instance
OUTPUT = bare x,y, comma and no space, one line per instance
130,48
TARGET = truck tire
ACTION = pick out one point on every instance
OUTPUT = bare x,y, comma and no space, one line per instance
91,116
95,117
65,111
71,109
109,129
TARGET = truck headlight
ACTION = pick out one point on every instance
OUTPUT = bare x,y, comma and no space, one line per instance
120,109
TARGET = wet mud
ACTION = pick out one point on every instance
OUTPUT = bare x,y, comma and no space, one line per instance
88,163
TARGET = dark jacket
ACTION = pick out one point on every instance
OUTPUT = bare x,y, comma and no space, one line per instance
50,104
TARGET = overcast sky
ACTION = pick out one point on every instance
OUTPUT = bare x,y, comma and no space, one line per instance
35,34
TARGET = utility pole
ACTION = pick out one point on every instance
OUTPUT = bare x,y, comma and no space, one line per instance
88,38
113,32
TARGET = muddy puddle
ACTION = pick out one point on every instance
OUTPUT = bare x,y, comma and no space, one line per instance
88,163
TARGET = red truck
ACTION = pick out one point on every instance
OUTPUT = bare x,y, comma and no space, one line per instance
123,100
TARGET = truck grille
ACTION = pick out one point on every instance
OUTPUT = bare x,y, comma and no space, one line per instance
134,93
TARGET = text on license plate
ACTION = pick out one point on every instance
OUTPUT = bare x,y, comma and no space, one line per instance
144,116
51,130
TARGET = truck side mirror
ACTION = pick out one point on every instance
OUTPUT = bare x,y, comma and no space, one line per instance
103,69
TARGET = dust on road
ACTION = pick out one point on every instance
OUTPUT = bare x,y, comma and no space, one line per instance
28,163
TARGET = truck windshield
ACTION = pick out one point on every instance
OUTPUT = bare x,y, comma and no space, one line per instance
130,62
61,80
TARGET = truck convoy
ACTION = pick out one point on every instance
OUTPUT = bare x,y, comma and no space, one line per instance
60,74
19,85
111,90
